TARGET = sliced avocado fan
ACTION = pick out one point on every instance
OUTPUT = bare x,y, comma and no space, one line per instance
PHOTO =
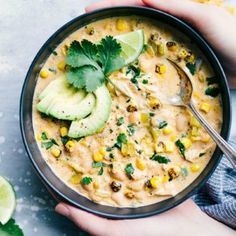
62,101
97,119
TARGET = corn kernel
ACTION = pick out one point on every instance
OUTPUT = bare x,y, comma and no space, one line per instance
63,131
44,74
194,122
38,137
194,131
159,147
160,69
183,53
205,107
165,178
121,25
102,150
83,142
205,138
186,142
169,146
75,179
128,149
201,77
154,103
173,138
97,156
70,146
140,164
55,152
155,133
150,51
161,49
167,130
96,185
90,30
195,167
172,46
190,58
195,138
61,65
144,117
155,181
196,95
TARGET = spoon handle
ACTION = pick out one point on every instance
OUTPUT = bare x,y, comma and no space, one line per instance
227,149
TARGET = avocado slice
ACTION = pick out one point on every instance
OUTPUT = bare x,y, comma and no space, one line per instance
97,119
54,87
64,102
70,111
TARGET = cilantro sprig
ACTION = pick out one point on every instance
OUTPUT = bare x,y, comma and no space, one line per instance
89,64
11,229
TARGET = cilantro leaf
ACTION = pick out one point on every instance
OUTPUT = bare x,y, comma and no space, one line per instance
109,54
86,180
181,147
121,139
212,91
191,67
74,77
81,54
48,144
129,170
212,80
89,64
98,164
44,136
184,171
86,76
120,121
136,73
11,229
130,129
162,124
100,172
159,159
64,140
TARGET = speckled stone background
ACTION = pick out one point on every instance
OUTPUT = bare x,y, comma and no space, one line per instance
24,26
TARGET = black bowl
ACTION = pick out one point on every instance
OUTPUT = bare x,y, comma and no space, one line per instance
52,181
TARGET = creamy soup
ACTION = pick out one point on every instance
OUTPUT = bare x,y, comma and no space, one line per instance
148,150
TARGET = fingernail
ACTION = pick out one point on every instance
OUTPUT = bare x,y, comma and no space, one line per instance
62,209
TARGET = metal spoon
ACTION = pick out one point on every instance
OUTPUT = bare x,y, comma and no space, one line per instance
185,99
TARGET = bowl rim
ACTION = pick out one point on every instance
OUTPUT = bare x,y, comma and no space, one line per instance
226,133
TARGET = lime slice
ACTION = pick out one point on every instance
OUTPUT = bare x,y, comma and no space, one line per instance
131,44
7,200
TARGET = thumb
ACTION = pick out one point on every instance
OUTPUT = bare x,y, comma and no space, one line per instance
193,12
88,222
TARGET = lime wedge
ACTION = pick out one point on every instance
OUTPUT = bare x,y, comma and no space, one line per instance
7,200
131,44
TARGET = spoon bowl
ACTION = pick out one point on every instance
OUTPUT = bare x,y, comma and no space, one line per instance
184,98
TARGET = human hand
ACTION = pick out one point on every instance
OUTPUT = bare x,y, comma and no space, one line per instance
185,219
215,23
